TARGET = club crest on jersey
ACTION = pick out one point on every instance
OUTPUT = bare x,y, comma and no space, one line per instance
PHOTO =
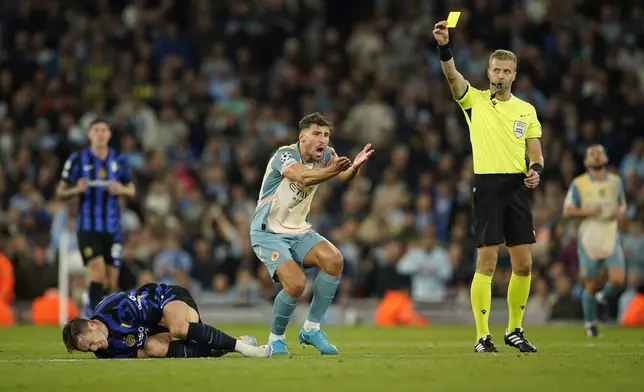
88,252
275,255
519,128
102,173
130,340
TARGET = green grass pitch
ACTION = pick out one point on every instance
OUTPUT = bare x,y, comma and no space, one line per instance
434,358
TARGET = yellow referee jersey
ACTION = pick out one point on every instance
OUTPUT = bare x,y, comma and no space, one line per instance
498,131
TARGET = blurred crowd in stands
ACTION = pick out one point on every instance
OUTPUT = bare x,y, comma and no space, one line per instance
200,93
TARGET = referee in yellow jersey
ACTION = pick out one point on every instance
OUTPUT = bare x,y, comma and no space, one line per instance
502,129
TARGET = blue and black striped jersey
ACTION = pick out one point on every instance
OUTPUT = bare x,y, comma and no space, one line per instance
130,317
99,211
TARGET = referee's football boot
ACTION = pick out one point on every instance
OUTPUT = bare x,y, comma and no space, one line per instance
517,340
485,345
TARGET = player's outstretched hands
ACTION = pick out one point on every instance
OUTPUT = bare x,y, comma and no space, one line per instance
81,185
532,179
440,32
339,164
363,156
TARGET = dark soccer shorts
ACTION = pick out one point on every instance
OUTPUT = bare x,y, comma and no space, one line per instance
502,210
93,244
159,295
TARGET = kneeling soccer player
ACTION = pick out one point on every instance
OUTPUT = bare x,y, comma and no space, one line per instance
168,316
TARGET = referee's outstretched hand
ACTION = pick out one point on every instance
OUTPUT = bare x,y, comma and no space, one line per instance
531,179
440,32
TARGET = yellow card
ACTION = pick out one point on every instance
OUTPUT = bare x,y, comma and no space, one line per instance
452,19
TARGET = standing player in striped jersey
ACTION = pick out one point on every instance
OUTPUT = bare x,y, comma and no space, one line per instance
282,236
597,197
98,175
154,321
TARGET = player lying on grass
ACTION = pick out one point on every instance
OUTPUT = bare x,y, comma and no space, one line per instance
167,316
160,344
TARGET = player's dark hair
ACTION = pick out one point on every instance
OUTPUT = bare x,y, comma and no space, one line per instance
314,119
98,120
71,331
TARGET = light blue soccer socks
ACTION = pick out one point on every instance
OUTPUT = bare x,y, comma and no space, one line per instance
589,307
610,290
324,290
283,309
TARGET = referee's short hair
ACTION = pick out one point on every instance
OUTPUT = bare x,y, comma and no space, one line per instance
502,54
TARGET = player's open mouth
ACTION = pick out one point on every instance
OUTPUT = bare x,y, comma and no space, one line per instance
319,152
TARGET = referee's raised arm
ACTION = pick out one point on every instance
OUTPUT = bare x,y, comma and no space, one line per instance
457,82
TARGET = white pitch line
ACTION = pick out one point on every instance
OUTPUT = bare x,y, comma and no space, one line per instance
496,355
408,344
398,356
459,345
40,360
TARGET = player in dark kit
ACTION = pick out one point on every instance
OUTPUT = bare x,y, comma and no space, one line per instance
99,176
154,321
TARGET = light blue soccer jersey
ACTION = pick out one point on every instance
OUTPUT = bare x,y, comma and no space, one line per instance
598,239
283,206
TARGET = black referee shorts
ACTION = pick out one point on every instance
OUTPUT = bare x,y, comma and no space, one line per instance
502,210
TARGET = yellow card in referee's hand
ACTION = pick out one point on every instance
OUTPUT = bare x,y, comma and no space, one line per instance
452,19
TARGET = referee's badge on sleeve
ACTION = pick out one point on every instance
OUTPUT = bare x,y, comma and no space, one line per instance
519,128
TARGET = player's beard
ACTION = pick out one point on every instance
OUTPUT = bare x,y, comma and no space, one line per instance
598,166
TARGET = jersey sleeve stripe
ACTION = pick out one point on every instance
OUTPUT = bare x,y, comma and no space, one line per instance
467,88
265,201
